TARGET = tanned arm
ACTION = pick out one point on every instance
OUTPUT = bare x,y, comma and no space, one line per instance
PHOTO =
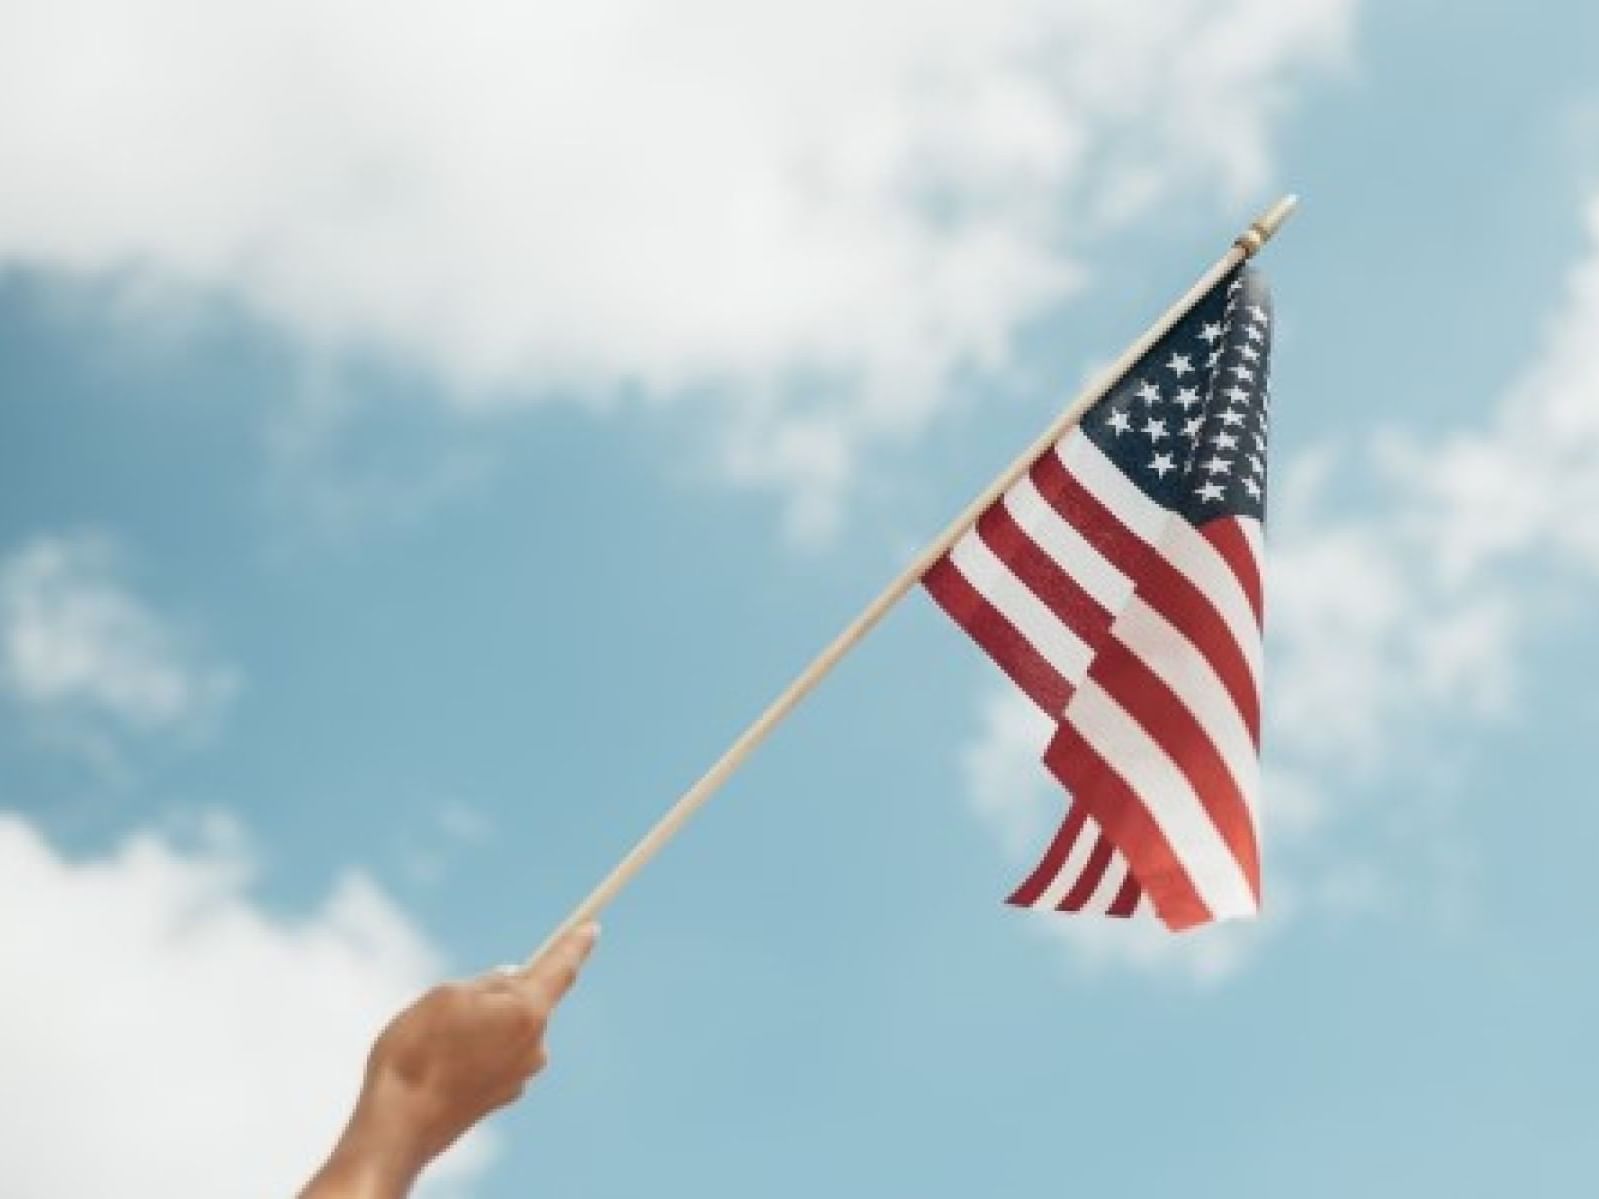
460,1052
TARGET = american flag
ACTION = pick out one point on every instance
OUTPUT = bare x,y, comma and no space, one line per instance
1118,583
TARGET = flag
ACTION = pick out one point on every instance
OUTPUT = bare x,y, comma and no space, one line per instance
1118,582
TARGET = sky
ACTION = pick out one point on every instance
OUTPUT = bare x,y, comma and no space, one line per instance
428,434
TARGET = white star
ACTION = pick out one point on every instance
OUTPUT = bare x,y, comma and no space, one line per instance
1155,428
1224,441
1232,417
1243,372
1210,359
1211,492
1237,394
1118,420
1234,286
1250,352
1148,391
1252,487
1211,333
1259,313
1257,464
1253,333
1219,465
1191,427
1180,365
1187,397
1161,464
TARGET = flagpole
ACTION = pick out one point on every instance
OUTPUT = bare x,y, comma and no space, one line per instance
1246,245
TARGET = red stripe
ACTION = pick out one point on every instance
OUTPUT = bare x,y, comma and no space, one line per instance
1042,575
1079,507
1099,792
1123,818
1149,701
1014,653
1235,550
1167,590
1088,881
1029,893
1127,898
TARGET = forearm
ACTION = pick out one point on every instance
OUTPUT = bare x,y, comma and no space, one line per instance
365,1165
354,1180
452,1057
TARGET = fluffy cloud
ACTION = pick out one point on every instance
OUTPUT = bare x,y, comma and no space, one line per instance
1387,622
86,659
163,1034
1387,625
810,217
1498,496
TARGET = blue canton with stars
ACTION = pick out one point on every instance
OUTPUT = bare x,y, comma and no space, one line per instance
1188,422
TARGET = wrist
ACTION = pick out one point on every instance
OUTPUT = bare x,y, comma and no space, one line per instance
373,1160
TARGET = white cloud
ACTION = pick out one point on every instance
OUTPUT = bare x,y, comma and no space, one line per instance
444,842
1522,486
1369,632
85,657
163,1034
814,216
1389,625
1387,620
1011,791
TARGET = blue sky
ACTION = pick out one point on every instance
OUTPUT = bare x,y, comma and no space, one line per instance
426,442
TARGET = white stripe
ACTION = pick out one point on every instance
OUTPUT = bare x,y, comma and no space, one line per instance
1179,542
1195,557
1043,630
1106,483
1066,877
1175,661
1255,535
1167,796
1066,547
1110,885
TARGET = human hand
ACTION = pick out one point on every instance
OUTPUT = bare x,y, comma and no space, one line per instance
455,1055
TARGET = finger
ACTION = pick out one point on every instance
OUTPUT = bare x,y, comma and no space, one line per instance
498,978
550,977
507,1095
535,1059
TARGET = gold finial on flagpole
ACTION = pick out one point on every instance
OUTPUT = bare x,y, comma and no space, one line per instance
1266,225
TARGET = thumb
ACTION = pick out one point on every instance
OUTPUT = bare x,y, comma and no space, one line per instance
550,975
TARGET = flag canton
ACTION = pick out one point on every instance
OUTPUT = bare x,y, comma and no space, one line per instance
1188,423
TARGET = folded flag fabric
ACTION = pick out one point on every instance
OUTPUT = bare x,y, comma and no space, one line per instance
1119,584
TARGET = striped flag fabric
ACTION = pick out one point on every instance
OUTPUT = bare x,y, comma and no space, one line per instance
1119,584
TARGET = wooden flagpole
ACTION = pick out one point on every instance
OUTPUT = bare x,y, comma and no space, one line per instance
1244,246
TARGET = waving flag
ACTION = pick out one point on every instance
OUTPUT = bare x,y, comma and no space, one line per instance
1118,583
1113,570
